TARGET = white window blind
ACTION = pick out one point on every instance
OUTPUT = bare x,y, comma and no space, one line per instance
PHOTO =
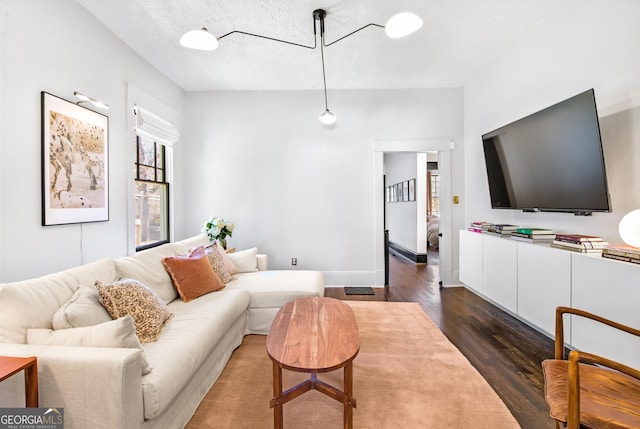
152,126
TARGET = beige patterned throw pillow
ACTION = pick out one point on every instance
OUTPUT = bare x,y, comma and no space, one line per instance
225,257
216,261
128,296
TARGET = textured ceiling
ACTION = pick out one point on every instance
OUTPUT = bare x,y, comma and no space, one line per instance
459,38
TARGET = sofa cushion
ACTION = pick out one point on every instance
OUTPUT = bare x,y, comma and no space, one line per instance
103,270
185,343
119,333
32,303
192,274
188,244
217,263
245,261
83,309
128,296
276,288
146,267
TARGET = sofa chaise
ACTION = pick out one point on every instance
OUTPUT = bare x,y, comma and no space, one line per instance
158,384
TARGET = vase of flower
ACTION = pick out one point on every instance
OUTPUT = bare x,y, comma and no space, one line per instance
218,229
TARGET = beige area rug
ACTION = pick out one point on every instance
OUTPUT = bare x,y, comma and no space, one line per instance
407,375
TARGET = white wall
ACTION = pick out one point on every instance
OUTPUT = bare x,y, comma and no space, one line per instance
3,10
583,44
58,47
295,188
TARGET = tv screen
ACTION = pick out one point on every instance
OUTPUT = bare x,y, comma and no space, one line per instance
551,160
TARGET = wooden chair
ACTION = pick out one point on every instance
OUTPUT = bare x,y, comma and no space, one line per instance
587,390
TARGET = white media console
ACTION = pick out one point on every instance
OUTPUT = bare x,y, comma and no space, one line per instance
531,280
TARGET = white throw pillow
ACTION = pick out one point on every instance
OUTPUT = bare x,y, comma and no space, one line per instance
83,309
119,333
246,261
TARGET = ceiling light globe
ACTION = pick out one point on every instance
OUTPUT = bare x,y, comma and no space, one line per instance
327,117
629,228
402,24
199,39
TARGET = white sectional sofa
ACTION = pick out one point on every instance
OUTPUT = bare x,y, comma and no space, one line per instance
104,387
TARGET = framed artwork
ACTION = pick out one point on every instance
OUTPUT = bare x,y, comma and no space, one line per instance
399,191
412,190
75,163
388,194
393,193
405,190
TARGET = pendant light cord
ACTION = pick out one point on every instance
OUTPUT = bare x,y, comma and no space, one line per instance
324,78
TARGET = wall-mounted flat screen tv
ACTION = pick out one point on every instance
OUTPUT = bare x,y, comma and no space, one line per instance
551,160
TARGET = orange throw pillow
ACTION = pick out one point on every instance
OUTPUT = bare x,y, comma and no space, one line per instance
192,274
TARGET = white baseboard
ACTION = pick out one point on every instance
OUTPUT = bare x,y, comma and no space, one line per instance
337,286
349,278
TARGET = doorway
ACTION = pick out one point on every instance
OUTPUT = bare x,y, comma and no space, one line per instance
443,148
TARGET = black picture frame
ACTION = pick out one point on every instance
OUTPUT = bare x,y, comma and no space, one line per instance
412,190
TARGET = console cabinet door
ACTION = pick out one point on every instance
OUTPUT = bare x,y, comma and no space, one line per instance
609,289
500,271
544,283
470,271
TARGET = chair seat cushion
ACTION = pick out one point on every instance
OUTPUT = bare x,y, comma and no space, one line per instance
608,399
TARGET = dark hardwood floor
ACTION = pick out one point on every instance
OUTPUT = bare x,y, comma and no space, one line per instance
504,350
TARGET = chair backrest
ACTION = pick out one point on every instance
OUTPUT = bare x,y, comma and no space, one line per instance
622,398
561,311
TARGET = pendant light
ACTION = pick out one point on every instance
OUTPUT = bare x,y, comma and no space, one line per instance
327,117
399,25
199,39
402,24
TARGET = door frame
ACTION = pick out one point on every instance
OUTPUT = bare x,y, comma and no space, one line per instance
443,147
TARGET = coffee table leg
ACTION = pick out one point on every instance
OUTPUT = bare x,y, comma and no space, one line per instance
31,385
348,393
277,396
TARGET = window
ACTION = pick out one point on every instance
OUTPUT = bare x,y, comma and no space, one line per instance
155,139
151,194
435,194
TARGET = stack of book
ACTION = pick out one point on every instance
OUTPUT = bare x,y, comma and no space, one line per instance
533,235
622,252
579,243
479,226
501,229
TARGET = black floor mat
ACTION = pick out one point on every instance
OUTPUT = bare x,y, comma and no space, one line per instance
359,290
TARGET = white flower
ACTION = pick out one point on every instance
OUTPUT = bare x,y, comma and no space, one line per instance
217,228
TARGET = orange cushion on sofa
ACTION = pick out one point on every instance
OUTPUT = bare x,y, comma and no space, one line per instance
192,274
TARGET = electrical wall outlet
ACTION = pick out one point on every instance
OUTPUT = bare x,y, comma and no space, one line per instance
294,261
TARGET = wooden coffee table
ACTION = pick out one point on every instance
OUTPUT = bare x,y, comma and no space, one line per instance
13,365
313,335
